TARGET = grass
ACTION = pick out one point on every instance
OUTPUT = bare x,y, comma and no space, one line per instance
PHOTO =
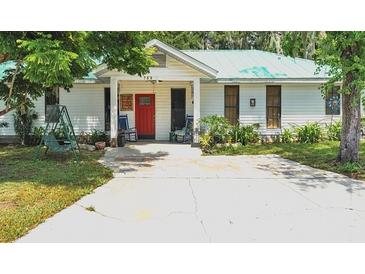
321,155
32,190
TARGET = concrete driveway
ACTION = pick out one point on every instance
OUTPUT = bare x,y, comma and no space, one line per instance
170,193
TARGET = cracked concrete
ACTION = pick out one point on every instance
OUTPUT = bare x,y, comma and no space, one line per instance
170,193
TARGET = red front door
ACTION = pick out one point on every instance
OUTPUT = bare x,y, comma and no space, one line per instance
145,115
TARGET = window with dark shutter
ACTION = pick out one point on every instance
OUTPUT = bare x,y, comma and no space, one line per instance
51,98
231,103
333,102
273,106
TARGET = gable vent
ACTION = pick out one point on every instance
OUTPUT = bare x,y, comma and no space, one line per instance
160,59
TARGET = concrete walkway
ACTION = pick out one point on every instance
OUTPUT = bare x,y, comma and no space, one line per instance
170,193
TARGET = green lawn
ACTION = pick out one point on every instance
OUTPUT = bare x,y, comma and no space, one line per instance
32,190
321,155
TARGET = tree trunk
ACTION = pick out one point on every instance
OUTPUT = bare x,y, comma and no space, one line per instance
350,133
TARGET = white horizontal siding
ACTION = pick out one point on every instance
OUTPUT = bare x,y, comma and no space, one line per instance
302,104
257,114
38,108
85,105
174,70
8,118
211,100
162,93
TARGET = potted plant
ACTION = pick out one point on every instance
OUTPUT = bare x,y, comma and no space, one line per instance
99,138
100,145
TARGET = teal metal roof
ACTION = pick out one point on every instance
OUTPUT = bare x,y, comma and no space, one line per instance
256,64
242,64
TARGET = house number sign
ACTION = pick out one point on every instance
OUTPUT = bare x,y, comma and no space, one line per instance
126,102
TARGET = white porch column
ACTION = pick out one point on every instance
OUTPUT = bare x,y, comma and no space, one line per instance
196,129
113,112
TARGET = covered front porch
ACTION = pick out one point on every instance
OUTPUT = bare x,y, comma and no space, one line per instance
155,107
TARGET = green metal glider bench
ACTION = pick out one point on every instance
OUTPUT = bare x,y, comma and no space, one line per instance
59,122
53,145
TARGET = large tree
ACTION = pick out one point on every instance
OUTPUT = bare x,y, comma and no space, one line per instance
40,61
343,55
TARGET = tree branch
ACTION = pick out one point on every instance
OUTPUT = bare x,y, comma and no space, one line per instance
7,105
4,111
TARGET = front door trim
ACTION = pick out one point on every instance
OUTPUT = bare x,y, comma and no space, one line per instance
145,115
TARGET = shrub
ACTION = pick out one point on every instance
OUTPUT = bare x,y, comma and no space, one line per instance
245,134
309,133
98,136
350,167
23,124
287,136
37,135
334,131
217,127
84,138
205,142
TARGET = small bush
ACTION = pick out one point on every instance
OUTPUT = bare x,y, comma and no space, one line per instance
37,135
217,127
334,131
350,167
23,124
84,138
245,134
205,142
287,136
309,133
98,136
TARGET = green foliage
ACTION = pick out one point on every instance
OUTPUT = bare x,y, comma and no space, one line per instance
287,136
32,191
37,135
59,134
23,125
205,141
93,137
41,61
121,50
84,138
350,167
245,134
217,127
334,131
309,133
217,130
292,43
342,54
362,122
301,43
321,155
98,136
19,99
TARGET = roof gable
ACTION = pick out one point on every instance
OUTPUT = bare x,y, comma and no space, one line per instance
182,57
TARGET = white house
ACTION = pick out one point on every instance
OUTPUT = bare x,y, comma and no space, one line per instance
251,86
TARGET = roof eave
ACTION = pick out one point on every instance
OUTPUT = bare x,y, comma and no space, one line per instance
267,80
183,57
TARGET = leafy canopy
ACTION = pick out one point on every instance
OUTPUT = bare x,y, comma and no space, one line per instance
40,61
342,54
